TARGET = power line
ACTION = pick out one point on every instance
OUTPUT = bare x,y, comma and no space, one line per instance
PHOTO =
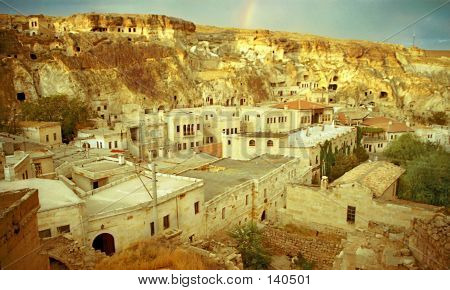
416,21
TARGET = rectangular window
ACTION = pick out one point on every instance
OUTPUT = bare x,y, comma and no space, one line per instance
179,146
46,138
196,207
54,136
178,129
115,144
198,127
197,144
351,213
192,144
166,222
63,229
223,213
47,233
184,146
152,228
94,184
246,199
38,169
110,144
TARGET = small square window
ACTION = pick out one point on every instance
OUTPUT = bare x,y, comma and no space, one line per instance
63,229
47,233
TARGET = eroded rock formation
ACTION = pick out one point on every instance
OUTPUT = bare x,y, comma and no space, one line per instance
157,60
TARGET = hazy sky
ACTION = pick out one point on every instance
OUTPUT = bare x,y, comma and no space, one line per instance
352,19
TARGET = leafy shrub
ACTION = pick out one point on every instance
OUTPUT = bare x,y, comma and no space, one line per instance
249,240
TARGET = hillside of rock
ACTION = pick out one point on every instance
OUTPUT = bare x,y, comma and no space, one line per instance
157,61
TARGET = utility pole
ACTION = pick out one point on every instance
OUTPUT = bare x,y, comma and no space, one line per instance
141,136
155,196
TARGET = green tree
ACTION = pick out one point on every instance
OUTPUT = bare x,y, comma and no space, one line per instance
360,154
427,179
407,147
249,240
69,112
343,164
427,170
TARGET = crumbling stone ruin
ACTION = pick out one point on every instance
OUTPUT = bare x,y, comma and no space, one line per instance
430,243
65,253
320,249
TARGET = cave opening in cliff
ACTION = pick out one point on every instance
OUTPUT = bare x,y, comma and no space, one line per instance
21,96
383,94
78,49
33,56
332,87
335,78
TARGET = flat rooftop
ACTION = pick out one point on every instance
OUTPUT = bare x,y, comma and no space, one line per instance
52,193
314,135
176,165
100,131
227,173
16,158
100,166
72,153
132,192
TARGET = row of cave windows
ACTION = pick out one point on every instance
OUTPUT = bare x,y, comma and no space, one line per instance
252,143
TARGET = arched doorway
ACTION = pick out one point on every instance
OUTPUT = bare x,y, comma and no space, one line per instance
104,243
263,215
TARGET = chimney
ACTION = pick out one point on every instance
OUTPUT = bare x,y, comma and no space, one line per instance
121,159
324,183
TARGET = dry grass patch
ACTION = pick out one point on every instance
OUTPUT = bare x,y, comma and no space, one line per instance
154,255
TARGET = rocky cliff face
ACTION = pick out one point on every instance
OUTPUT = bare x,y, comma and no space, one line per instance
162,61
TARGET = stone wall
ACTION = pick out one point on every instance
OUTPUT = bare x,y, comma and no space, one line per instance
321,251
19,232
429,242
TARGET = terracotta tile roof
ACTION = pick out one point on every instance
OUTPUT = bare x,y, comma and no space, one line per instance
377,120
387,124
300,105
377,176
394,127
347,117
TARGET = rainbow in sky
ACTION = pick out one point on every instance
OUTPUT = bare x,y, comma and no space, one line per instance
247,13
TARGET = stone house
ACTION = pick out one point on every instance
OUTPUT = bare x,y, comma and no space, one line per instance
434,134
184,129
18,166
102,138
60,211
392,128
237,192
309,113
364,194
304,144
42,163
46,133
